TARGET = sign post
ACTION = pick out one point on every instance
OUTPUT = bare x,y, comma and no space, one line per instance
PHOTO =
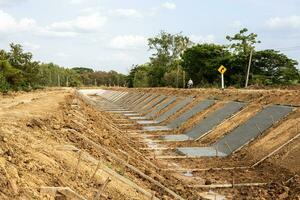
222,79
222,70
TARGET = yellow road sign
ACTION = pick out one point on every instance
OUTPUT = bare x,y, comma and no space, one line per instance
222,69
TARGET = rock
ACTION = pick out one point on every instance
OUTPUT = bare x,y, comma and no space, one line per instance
9,158
10,152
1,151
208,182
283,195
4,139
56,127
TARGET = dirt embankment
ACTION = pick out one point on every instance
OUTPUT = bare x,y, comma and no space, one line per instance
49,138
280,166
37,151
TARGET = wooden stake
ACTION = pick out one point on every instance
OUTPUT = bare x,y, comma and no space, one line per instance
229,185
102,188
131,167
77,165
276,150
95,172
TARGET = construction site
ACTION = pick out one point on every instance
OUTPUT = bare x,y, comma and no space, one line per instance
150,143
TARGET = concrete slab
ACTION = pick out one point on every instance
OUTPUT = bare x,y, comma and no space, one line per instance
122,111
156,128
135,100
173,110
131,114
160,107
139,101
242,135
206,125
147,122
136,118
214,119
148,100
180,137
252,128
199,107
200,151
132,98
154,103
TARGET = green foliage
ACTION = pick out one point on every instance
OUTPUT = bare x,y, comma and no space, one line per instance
167,50
174,77
202,61
173,55
141,78
4,86
19,72
271,67
244,43
12,77
82,70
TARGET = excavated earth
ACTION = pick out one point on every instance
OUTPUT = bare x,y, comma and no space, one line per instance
58,138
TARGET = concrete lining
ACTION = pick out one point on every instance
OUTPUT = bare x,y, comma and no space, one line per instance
243,134
252,128
156,110
173,110
140,101
160,107
136,100
148,100
176,123
201,106
131,114
212,120
154,103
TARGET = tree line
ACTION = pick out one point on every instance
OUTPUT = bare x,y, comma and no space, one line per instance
175,59
18,71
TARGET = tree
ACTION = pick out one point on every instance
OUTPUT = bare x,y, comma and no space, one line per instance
141,78
11,78
244,43
272,67
174,77
202,61
167,50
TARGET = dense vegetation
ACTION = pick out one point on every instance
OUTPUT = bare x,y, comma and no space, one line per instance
18,71
176,59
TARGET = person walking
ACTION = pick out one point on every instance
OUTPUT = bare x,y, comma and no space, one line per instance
190,83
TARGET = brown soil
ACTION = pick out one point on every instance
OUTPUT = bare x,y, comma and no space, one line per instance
42,134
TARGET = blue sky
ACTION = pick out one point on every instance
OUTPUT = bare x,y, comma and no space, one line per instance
112,34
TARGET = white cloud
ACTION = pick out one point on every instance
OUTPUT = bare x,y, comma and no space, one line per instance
9,24
236,24
71,28
202,39
128,42
87,23
169,5
76,2
122,56
62,55
59,34
31,46
284,22
126,13
10,2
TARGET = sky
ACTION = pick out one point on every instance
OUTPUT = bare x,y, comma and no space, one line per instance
112,34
